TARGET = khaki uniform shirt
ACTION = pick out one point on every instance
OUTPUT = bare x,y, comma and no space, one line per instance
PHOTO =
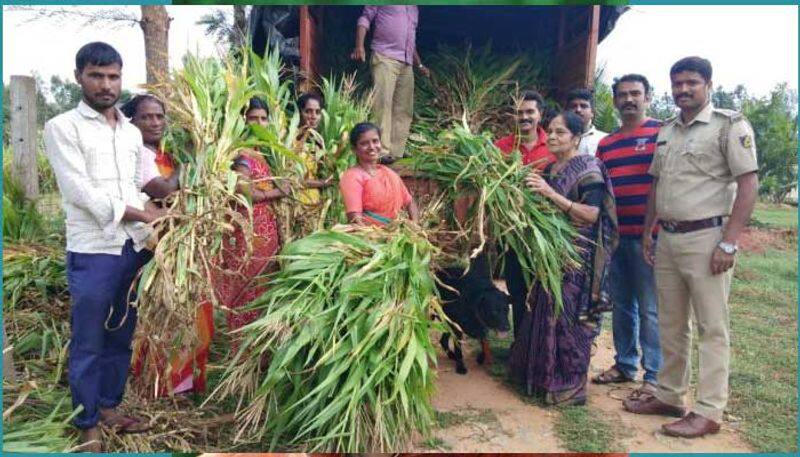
697,164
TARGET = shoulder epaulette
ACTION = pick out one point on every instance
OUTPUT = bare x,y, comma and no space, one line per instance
669,120
733,116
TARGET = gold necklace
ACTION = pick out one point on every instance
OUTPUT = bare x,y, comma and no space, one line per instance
371,173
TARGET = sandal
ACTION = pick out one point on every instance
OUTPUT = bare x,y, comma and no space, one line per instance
612,375
647,389
120,423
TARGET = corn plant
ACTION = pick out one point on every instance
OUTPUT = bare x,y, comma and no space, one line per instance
343,110
328,146
474,83
345,330
205,100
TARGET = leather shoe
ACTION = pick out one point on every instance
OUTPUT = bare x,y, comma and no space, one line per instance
691,426
649,404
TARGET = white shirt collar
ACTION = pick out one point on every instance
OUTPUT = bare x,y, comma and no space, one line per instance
592,130
91,113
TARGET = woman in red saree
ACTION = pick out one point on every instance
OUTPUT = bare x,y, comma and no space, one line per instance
373,193
235,283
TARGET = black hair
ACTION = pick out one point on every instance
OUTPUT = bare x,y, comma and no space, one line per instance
581,93
360,129
531,95
573,122
631,78
97,53
693,63
130,108
303,99
255,103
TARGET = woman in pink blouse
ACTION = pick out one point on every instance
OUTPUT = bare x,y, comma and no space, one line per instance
373,193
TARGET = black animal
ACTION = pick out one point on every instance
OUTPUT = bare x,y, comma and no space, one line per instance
475,304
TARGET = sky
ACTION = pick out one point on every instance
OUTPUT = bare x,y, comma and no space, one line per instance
48,46
752,45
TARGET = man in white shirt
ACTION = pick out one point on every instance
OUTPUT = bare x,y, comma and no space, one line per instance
581,102
94,151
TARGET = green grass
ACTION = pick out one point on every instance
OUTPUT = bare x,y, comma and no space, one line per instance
489,425
436,443
763,380
446,419
583,429
774,216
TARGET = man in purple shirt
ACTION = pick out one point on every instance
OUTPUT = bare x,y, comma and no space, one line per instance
394,52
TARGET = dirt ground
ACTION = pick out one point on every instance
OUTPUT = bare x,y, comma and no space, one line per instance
759,240
487,416
483,415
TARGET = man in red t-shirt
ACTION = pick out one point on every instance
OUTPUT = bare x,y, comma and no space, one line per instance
531,141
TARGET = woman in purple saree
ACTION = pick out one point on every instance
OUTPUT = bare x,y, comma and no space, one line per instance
550,355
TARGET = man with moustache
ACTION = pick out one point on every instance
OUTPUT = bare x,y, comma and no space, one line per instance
94,151
704,189
531,142
627,154
530,139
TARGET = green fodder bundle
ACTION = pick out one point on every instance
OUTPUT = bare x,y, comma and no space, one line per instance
36,418
345,330
477,83
34,275
504,212
205,99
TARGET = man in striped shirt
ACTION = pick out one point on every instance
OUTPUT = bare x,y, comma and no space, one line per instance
627,154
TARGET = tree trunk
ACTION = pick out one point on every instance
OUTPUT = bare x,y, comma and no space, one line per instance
239,26
155,25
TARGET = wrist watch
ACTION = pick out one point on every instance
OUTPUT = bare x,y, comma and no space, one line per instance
728,248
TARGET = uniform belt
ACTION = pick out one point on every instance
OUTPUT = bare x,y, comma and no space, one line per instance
691,226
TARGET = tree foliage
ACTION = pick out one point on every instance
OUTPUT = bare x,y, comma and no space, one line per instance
662,107
774,121
605,114
227,27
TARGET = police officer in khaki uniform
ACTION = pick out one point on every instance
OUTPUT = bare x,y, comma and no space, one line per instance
704,189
